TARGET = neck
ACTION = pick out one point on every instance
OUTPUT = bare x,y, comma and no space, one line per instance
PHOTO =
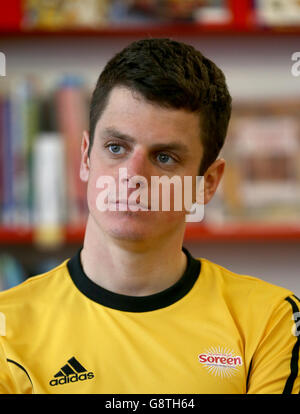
132,268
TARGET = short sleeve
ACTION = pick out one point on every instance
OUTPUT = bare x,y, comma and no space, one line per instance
7,385
275,366
14,378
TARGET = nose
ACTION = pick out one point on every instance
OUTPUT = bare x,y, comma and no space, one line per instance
138,165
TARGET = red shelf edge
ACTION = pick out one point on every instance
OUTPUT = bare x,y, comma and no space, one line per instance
15,236
168,30
194,232
242,232
196,29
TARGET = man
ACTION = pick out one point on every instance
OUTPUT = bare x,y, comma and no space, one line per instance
133,311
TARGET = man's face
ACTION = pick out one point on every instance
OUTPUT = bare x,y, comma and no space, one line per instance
147,141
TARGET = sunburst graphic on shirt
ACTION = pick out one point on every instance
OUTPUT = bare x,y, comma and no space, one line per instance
221,361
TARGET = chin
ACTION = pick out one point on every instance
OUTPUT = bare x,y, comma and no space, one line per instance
138,226
128,235
128,226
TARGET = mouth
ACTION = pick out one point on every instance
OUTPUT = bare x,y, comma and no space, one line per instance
128,205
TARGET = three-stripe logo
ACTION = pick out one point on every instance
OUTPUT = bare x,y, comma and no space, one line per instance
73,371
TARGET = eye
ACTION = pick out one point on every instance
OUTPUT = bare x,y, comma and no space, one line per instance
164,158
116,148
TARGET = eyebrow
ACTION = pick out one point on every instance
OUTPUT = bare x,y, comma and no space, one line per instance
173,145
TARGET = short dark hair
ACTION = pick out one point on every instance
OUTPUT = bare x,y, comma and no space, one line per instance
171,74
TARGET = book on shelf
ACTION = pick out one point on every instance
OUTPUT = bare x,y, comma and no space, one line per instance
93,14
71,104
40,136
261,182
64,14
50,192
278,12
18,126
189,10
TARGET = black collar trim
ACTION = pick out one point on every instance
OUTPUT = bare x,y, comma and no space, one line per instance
134,303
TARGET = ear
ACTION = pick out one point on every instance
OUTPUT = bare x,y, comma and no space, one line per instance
212,178
85,162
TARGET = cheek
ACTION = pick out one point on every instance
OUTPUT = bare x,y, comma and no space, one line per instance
92,193
101,183
181,194
92,190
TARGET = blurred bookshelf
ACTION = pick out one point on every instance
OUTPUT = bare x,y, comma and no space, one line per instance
35,132
43,199
23,18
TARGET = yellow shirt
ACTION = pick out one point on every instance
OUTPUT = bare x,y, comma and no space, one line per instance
213,332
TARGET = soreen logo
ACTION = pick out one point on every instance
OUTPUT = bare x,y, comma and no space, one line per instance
220,362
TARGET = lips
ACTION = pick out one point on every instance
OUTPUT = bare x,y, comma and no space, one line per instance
128,205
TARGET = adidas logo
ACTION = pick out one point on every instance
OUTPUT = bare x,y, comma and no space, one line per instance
73,371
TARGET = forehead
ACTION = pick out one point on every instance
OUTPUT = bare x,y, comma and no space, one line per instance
133,115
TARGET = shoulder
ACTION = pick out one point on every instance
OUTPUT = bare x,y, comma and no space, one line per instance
35,287
241,286
28,305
